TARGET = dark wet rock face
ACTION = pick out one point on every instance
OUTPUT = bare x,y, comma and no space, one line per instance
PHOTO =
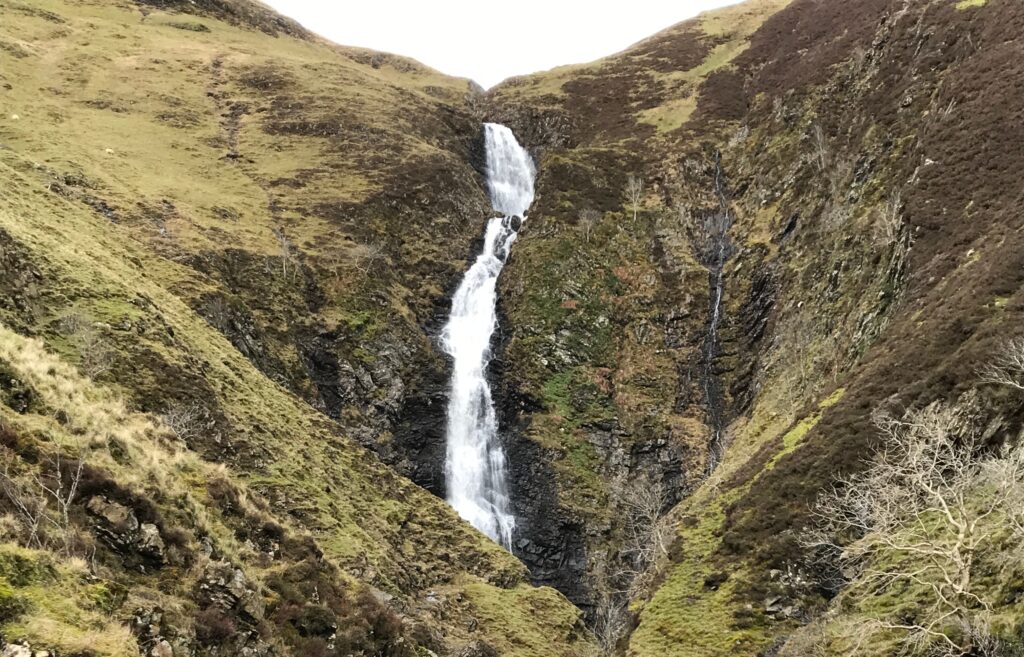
551,543
21,283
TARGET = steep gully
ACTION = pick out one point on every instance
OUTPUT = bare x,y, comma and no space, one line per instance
477,480
716,252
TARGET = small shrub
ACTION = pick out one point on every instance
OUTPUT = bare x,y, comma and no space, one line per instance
225,494
214,627
12,605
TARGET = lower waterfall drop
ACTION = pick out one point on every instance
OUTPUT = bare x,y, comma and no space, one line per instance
475,472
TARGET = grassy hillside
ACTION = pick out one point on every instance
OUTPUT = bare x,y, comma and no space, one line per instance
322,199
199,224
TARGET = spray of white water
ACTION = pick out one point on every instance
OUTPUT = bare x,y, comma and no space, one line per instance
475,471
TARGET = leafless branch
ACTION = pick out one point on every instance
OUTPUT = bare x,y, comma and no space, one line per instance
1007,367
634,192
923,511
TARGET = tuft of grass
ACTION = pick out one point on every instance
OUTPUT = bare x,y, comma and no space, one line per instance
537,616
57,604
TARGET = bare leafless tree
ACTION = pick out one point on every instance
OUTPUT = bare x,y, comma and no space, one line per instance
186,421
43,500
367,256
889,227
634,192
62,487
287,255
28,503
334,260
821,147
1007,368
610,623
97,357
642,502
622,576
611,614
923,511
588,219
87,337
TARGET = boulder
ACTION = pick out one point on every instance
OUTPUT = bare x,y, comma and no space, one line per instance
478,649
119,527
118,518
149,542
162,649
16,650
227,587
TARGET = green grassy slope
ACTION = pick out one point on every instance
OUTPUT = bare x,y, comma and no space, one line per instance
291,176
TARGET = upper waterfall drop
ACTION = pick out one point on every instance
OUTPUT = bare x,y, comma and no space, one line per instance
510,172
475,472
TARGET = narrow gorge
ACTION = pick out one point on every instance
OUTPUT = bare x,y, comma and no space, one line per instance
308,350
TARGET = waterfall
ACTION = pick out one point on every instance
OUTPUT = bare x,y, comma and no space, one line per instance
475,472
717,252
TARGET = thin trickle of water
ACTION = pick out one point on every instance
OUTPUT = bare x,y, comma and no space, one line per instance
475,469
719,249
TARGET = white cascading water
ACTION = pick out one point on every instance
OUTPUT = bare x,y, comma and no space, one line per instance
475,473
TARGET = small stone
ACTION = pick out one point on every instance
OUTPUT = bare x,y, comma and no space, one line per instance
162,649
149,542
14,117
108,151
16,650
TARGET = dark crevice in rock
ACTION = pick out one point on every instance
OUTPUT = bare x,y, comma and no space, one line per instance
715,251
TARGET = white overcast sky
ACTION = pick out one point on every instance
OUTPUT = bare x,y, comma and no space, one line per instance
490,41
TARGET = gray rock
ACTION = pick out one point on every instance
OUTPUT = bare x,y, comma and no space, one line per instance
149,542
478,649
228,588
162,649
117,517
